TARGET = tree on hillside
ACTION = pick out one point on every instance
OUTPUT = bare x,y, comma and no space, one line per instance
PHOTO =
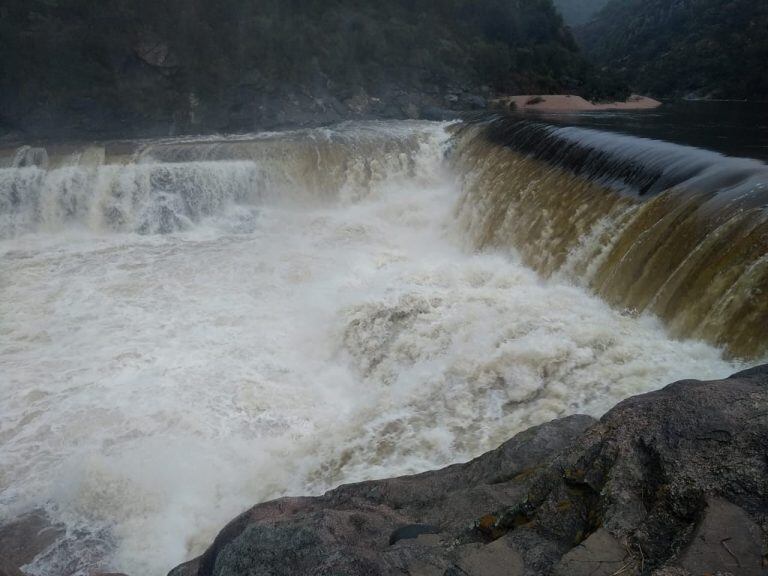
703,48
144,61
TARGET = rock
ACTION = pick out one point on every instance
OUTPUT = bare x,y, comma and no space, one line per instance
33,537
8,569
494,559
22,539
412,532
187,569
348,529
599,555
726,540
420,568
539,554
670,571
674,474
645,471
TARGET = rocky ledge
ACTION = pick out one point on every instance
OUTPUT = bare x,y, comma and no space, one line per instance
673,482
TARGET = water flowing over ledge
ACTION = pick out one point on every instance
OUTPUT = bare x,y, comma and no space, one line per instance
194,325
169,186
649,226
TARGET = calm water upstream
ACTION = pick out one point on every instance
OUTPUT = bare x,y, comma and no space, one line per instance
732,128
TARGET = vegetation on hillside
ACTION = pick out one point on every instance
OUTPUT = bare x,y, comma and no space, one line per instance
231,64
698,48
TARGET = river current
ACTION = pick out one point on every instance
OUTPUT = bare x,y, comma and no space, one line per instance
201,325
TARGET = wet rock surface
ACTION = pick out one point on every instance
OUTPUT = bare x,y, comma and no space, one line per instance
24,538
34,543
671,482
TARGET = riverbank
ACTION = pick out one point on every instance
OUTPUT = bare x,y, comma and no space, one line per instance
570,103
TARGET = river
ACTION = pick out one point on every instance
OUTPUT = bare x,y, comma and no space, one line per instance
190,326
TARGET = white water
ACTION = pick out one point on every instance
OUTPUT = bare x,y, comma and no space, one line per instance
152,387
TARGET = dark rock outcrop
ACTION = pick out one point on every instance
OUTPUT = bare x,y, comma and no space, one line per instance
671,482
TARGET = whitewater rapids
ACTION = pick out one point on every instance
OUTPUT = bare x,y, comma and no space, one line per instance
152,386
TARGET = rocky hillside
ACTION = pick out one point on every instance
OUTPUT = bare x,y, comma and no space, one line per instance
696,48
674,482
142,67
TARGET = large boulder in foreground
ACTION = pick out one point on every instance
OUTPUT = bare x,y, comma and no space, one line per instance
673,482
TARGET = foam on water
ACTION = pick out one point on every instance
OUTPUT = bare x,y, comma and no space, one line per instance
153,386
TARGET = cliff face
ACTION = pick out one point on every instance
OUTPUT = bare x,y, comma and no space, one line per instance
137,68
671,482
699,48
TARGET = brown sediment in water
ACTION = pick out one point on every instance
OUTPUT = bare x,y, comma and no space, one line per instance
649,226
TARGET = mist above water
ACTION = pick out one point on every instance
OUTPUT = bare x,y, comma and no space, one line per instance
204,325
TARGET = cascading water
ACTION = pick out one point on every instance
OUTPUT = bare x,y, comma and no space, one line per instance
172,186
190,326
649,226
143,198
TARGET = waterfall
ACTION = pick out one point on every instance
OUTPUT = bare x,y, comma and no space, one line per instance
168,186
649,226
193,325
